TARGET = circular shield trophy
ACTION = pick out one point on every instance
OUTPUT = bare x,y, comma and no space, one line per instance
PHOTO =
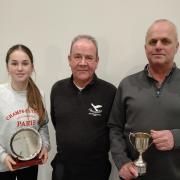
25,146
141,143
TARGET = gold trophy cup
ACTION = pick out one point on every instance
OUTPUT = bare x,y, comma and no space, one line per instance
141,144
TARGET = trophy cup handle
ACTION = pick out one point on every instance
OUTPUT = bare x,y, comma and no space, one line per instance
131,135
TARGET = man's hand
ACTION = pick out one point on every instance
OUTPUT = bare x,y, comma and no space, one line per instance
163,140
128,171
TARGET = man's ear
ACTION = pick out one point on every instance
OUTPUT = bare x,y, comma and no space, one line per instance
145,46
177,47
97,59
69,59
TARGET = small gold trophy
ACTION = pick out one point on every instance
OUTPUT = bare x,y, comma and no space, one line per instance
141,144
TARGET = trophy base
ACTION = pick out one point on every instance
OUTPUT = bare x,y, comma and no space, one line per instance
32,162
141,168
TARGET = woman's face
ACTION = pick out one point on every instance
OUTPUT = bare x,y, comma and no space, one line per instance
19,66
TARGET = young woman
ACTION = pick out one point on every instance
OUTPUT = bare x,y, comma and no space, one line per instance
21,106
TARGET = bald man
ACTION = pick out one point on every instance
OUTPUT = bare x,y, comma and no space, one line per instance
149,101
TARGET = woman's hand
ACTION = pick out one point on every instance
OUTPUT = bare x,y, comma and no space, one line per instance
9,162
43,155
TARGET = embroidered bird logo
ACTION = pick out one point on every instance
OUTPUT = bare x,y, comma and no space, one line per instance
96,106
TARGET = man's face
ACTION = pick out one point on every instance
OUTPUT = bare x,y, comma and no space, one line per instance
83,61
161,44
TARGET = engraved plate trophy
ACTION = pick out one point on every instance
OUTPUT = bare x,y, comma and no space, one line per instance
141,144
25,146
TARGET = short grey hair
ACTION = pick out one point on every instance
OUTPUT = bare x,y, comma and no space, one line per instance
87,37
163,20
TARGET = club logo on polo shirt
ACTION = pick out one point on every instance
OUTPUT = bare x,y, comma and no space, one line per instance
95,110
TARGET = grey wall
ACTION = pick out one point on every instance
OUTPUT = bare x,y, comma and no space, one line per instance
48,26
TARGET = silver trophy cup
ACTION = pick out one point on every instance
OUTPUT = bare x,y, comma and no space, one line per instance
141,142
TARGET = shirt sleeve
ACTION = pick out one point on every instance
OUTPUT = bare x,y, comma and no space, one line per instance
44,133
176,135
52,107
3,154
116,124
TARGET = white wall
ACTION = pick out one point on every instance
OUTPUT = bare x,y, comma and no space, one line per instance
48,26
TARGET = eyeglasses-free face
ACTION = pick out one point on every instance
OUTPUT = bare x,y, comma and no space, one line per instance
19,67
83,61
